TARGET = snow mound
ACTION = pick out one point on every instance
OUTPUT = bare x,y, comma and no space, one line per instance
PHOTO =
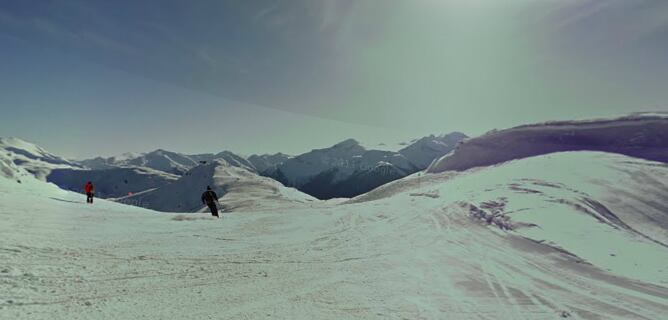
639,135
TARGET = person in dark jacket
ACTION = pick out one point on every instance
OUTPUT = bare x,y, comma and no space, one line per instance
211,199
90,192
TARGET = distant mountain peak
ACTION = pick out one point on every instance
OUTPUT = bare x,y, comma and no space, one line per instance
347,143
453,134
161,151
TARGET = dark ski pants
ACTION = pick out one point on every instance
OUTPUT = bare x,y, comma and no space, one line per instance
89,197
213,208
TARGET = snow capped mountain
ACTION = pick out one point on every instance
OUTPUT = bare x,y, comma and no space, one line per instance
343,170
424,151
162,160
235,160
323,172
638,135
348,169
266,162
30,157
167,161
237,187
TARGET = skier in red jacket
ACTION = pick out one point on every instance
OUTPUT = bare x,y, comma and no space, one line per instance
90,192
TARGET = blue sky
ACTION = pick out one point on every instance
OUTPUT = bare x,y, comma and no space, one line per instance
86,78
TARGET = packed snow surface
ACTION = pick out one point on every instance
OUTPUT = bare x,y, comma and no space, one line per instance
570,235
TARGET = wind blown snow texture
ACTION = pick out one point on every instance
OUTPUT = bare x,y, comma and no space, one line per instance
566,235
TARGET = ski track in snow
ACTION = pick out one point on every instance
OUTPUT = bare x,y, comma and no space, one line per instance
414,255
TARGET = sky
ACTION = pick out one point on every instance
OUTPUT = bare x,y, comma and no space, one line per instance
84,78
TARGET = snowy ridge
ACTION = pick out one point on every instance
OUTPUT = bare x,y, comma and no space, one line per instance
30,157
167,161
638,135
266,162
162,160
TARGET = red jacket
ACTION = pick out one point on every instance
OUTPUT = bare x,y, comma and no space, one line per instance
89,187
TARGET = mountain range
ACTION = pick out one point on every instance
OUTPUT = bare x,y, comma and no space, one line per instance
346,169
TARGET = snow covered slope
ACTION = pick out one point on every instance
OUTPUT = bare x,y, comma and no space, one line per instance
238,188
638,135
31,157
423,250
607,209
